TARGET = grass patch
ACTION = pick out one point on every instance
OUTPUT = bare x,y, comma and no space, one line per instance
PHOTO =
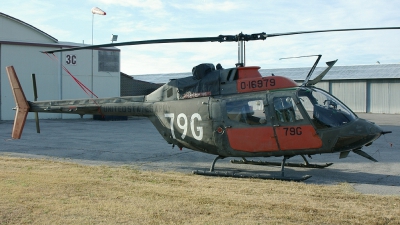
50,192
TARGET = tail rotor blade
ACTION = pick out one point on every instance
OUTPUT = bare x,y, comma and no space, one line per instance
35,96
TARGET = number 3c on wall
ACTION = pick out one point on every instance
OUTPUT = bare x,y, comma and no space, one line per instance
70,59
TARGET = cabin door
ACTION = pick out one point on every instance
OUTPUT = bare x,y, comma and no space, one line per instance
244,126
293,129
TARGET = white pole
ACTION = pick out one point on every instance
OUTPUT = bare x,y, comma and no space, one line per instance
60,83
91,86
98,11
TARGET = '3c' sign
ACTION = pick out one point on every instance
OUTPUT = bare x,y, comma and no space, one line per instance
70,59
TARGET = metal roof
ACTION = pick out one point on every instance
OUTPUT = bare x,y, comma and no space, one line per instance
56,44
378,71
28,25
357,72
161,78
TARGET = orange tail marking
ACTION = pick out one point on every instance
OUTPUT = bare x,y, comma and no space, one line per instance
22,107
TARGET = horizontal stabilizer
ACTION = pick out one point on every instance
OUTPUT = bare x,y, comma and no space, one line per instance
364,154
22,106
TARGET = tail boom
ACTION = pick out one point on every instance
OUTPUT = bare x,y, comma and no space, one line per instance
116,106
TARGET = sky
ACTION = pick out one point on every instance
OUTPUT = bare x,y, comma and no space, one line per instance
135,20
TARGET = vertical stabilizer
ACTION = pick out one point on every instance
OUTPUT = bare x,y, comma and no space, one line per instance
22,107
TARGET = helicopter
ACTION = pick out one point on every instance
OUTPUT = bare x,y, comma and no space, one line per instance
232,112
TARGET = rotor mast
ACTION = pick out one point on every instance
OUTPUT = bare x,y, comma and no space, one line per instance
241,52
241,40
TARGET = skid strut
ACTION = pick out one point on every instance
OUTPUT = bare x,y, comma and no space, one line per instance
211,172
213,163
306,164
283,166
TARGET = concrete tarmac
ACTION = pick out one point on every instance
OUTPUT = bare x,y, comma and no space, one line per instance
137,143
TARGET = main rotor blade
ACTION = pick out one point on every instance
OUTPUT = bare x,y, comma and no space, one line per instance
220,38
332,30
156,41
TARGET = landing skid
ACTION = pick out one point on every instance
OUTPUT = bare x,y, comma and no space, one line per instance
258,176
265,163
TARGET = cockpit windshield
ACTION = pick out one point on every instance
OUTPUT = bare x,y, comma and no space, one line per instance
324,109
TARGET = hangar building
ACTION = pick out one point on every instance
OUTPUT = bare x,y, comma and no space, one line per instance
21,45
132,87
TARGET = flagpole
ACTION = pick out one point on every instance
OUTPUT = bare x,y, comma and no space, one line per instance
98,11
91,84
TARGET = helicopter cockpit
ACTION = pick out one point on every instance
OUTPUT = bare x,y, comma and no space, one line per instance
286,110
324,109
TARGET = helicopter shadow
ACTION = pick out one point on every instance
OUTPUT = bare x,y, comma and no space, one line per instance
353,172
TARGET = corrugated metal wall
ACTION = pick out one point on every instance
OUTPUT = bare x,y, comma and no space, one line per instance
385,96
372,96
352,93
323,85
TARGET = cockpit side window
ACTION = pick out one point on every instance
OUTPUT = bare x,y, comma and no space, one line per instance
246,111
286,109
325,110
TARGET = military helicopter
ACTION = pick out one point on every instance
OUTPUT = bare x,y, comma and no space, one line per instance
233,112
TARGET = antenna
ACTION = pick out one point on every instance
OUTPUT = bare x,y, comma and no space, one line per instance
312,68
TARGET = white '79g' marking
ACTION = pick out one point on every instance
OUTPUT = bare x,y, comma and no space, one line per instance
182,123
